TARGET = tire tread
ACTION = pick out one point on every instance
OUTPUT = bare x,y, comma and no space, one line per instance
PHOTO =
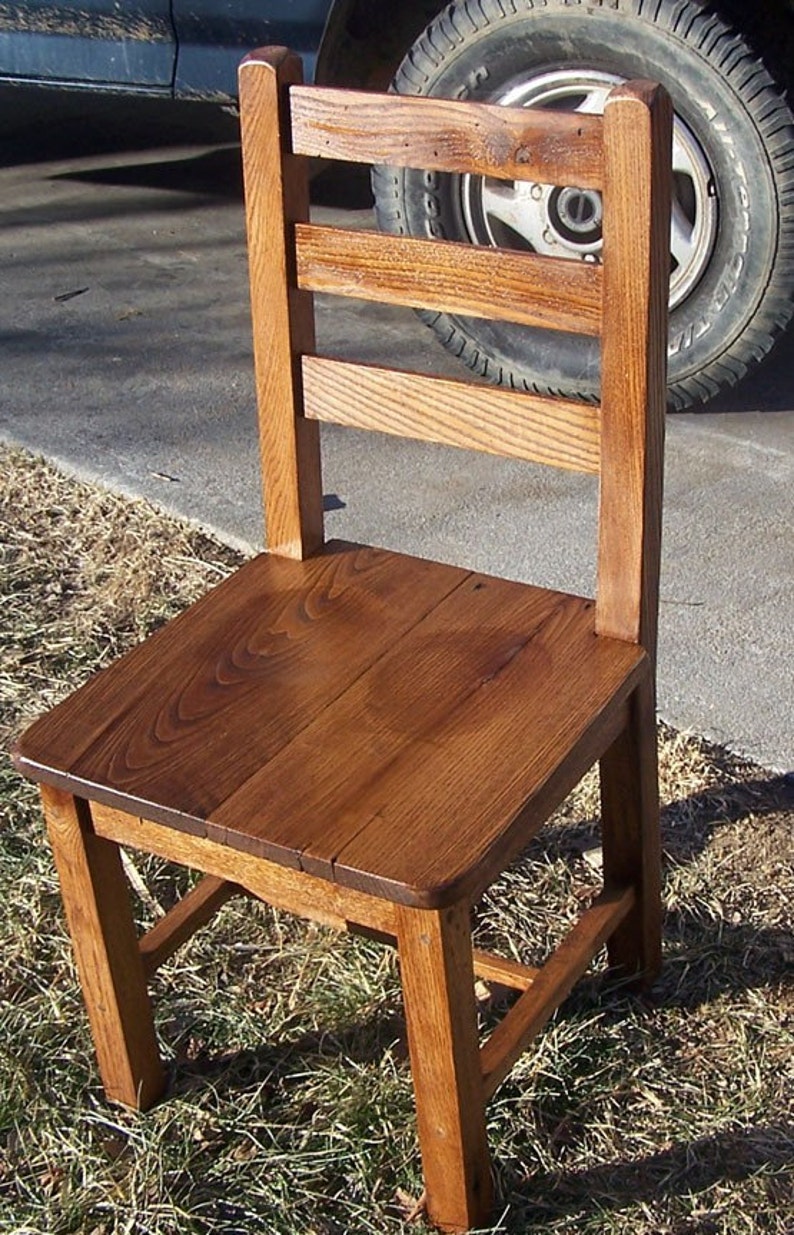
708,36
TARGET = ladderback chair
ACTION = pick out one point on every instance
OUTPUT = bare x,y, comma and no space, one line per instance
360,736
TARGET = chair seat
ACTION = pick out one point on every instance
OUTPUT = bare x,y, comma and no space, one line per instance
369,717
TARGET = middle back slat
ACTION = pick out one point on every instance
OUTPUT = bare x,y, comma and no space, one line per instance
450,277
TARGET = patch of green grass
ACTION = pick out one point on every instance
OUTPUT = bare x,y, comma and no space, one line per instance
289,1108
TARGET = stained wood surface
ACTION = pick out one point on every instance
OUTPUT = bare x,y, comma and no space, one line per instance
277,196
196,908
362,716
97,904
631,838
199,707
438,992
506,972
284,888
553,982
451,277
636,256
448,135
512,423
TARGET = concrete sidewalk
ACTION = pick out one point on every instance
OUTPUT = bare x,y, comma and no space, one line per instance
126,357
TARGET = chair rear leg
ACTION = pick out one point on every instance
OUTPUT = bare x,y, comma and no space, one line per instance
631,838
98,912
438,990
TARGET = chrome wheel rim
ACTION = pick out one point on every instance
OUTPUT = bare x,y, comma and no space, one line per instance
566,222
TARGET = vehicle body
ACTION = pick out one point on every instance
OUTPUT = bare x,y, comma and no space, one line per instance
726,64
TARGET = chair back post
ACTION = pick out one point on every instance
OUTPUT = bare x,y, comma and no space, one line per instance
277,197
637,192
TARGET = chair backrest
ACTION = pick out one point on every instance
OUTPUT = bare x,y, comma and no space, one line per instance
625,154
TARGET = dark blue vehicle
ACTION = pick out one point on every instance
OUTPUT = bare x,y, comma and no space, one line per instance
151,46
726,64
191,48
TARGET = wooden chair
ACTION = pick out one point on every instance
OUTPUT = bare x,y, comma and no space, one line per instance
360,736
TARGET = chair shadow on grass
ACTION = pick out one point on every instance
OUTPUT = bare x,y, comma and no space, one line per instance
364,1041
688,824
707,954
683,1168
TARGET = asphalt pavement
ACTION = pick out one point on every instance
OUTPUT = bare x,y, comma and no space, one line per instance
125,357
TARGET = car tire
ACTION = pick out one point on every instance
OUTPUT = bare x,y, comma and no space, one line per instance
732,242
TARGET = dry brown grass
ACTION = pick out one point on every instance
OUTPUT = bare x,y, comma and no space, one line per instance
85,573
290,1108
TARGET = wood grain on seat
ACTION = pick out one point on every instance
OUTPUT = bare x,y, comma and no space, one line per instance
363,715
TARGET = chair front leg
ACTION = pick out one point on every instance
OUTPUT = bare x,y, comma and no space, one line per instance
98,912
438,990
631,838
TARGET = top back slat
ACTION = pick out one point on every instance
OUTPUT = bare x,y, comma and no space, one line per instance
448,135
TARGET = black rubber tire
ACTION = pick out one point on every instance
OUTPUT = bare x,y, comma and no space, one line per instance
743,300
